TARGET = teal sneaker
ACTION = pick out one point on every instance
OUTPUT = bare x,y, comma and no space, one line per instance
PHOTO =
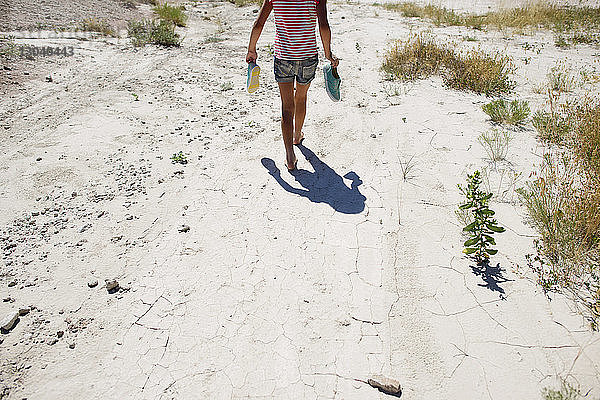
252,80
332,82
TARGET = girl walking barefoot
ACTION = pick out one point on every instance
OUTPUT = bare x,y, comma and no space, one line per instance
296,59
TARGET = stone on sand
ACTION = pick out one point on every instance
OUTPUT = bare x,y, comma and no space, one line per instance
386,385
9,320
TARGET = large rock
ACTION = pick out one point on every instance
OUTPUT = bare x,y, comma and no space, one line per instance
386,385
8,322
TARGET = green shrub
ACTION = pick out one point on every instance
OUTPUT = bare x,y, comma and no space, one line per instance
170,13
151,32
514,113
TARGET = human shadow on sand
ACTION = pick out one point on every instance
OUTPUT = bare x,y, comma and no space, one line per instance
322,186
492,276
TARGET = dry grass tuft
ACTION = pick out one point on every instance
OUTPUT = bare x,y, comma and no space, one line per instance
8,48
243,3
97,25
174,14
501,111
421,56
152,32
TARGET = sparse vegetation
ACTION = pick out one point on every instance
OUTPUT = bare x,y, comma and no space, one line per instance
179,158
242,3
532,16
421,56
482,228
406,167
152,32
501,111
566,392
495,143
8,48
226,86
174,14
97,25
563,203
561,78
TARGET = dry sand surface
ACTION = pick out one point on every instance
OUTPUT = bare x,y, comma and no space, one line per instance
240,280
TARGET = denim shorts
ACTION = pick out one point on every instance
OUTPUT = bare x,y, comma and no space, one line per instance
303,71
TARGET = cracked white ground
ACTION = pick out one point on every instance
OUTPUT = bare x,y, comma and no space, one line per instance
284,287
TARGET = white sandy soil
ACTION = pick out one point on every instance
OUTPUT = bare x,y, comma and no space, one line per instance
285,286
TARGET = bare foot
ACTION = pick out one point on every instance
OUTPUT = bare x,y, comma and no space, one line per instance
298,138
293,164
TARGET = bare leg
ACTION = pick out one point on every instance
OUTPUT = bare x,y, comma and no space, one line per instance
286,90
300,113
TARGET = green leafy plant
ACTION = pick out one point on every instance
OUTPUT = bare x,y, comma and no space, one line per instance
501,111
482,228
179,158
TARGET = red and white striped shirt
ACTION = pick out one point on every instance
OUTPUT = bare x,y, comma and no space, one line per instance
295,22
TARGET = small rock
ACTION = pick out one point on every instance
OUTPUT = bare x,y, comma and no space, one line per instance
49,78
25,72
9,321
373,135
51,341
184,228
12,283
112,286
72,345
24,311
386,385
60,334
85,228
38,159
7,68
93,283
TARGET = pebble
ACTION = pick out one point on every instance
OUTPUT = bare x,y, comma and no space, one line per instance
112,286
184,228
9,320
93,283
85,228
72,345
12,283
